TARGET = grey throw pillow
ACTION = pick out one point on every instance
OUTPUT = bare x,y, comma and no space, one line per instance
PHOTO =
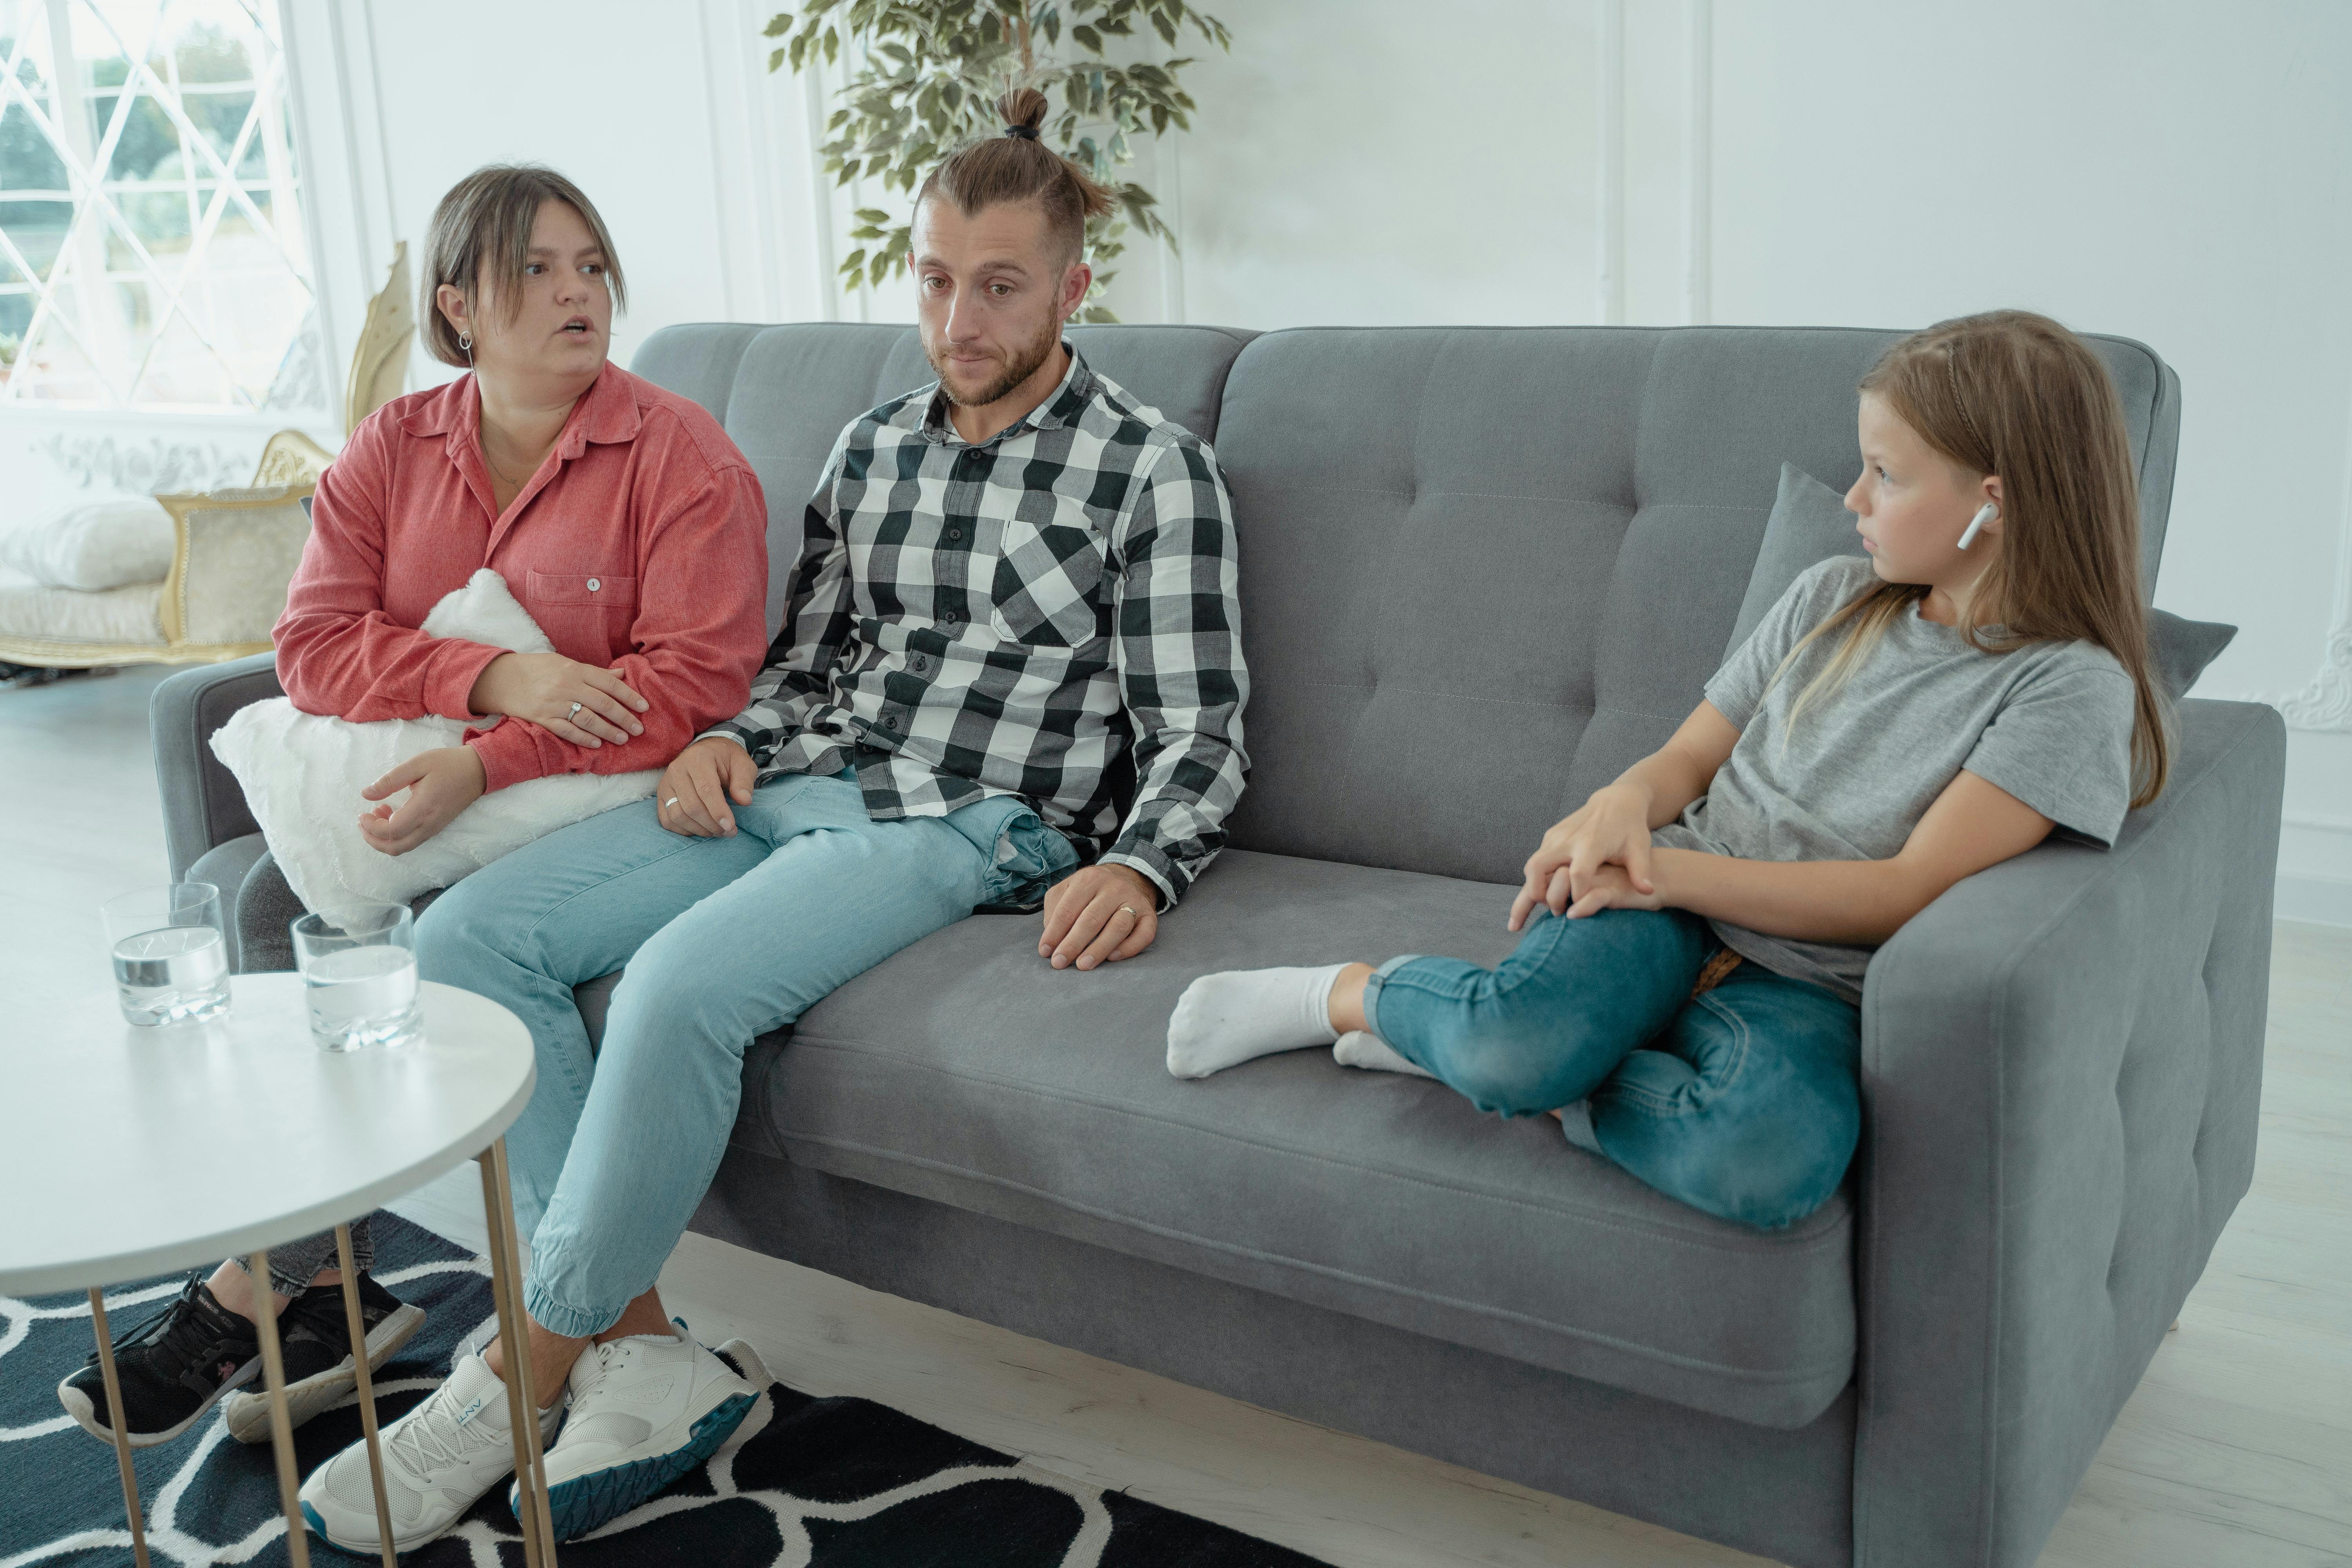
1810,523
2179,650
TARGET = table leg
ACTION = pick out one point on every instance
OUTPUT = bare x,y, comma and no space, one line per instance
514,1331
281,1425
356,1326
114,1425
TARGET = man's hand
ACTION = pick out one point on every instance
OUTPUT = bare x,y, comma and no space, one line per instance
695,789
571,700
440,783
1101,913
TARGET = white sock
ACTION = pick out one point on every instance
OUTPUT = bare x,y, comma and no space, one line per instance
1240,1014
1361,1048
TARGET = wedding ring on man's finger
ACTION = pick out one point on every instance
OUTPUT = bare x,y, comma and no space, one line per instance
670,802
1129,909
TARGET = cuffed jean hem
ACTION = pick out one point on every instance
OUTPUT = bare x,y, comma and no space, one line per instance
293,1264
1378,978
558,1318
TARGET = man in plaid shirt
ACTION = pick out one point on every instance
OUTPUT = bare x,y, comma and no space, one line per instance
1014,599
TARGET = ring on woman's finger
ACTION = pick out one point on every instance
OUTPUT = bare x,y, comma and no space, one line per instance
670,802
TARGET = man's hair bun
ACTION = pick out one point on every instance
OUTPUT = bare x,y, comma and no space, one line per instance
1024,108
1017,166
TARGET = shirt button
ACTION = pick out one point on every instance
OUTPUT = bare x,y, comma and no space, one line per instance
949,619
593,585
890,722
955,533
921,664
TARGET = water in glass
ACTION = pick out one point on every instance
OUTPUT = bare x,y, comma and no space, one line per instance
362,996
176,973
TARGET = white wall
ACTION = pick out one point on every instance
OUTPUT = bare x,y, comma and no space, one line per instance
2179,173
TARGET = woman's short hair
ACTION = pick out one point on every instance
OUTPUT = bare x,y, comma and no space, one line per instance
481,233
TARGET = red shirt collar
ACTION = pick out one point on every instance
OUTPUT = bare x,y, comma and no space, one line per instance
606,413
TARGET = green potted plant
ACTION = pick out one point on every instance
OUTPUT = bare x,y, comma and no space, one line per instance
925,75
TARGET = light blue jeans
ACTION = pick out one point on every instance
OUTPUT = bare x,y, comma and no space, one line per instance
724,938
1742,1101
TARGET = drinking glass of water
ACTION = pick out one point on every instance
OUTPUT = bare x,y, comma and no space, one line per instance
170,961
359,974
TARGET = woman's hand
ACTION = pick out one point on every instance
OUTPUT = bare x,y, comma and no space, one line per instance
1610,830
441,784
696,788
571,700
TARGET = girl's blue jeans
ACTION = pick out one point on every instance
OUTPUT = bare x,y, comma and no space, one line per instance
1742,1101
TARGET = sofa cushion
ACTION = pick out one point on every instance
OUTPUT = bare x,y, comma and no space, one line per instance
966,1071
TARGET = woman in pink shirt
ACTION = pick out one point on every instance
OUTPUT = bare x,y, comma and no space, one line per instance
621,516
628,525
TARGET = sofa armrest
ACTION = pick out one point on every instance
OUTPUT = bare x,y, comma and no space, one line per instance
2061,1072
202,806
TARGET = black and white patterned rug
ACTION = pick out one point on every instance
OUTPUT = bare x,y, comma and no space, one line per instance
831,1483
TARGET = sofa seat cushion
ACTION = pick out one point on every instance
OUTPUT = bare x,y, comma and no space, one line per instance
966,1070
35,613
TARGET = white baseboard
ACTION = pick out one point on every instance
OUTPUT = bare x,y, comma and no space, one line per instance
2324,901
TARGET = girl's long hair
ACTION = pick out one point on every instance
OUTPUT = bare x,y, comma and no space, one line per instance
2014,394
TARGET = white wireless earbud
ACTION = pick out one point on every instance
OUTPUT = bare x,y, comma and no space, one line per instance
1985,514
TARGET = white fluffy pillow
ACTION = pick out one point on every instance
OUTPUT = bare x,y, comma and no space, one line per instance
94,546
302,776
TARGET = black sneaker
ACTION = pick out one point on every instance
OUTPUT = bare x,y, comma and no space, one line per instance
315,1339
172,1368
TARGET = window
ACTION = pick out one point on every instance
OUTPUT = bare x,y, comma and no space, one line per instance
152,247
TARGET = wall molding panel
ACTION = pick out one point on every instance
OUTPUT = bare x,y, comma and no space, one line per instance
1609,217
155,465
2325,703
1699,167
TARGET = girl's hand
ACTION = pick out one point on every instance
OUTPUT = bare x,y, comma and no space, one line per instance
545,688
440,783
1611,829
1611,887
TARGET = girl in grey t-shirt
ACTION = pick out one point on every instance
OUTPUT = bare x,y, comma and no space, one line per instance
1697,933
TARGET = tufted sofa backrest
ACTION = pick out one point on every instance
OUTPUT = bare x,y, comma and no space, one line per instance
1485,569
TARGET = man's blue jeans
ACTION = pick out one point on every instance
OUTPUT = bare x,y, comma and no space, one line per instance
724,938
1742,1101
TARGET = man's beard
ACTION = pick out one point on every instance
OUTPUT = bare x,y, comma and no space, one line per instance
1022,366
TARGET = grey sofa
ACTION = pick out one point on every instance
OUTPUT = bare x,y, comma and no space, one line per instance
1482,572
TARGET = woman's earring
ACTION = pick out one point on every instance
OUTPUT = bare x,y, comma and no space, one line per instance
466,342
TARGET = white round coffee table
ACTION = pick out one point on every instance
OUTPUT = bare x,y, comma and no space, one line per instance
231,1137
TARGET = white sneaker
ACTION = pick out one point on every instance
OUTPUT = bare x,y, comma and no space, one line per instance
438,1459
644,1410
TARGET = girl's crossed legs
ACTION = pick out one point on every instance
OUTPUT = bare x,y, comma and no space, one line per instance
1741,1101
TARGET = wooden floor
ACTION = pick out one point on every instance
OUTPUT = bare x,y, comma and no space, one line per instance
2236,1451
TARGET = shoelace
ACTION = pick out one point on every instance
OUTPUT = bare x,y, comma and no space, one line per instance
433,1437
605,1356
180,1329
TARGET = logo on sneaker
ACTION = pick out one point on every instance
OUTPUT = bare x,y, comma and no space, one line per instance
471,1411
647,1393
